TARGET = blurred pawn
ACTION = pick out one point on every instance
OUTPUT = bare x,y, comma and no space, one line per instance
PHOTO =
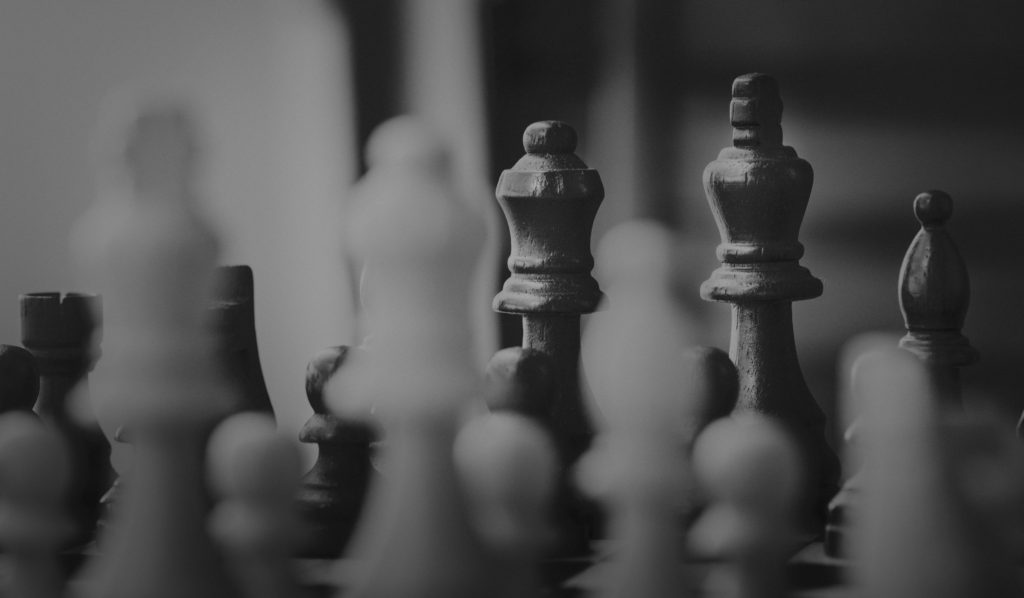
34,477
417,375
922,530
256,473
988,464
642,405
508,465
751,471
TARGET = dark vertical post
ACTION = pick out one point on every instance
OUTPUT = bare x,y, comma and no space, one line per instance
758,191
233,320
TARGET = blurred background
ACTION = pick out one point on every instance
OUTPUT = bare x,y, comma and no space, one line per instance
885,99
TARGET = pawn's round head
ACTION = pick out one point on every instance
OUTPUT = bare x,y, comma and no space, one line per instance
160,150
933,208
406,142
508,464
748,459
636,252
890,384
549,137
319,371
249,459
713,387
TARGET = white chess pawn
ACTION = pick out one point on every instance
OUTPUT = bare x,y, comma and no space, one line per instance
918,532
418,244
750,471
509,465
256,471
34,476
637,465
154,260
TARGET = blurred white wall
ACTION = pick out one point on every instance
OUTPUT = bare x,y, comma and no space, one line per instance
269,80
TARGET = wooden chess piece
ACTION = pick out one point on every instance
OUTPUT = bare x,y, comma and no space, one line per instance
918,533
418,244
934,292
19,379
521,380
712,383
153,257
934,295
509,466
331,494
233,319
750,470
256,471
63,333
758,190
550,198
844,503
638,467
35,471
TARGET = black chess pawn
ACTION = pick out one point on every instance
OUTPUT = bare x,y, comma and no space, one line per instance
63,332
520,380
713,384
19,379
331,494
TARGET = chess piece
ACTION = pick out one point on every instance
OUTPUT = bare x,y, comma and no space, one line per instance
712,382
34,475
233,318
988,466
550,198
845,501
62,331
934,294
637,467
758,191
153,258
509,466
256,471
520,380
19,379
418,245
917,534
331,494
750,470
